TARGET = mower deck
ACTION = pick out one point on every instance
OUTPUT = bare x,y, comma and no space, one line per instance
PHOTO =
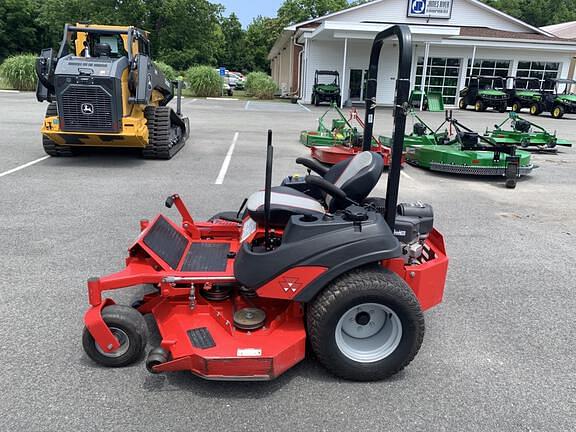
527,135
321,139
206,342
451,159
338,153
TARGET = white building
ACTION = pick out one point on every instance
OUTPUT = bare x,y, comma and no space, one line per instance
451,34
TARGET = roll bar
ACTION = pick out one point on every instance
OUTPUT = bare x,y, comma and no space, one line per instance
402,32
132,32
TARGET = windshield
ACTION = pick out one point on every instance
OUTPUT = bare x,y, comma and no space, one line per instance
490,83
94,44
328,79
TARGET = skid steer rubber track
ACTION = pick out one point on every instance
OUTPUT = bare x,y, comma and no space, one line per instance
165,138
50,147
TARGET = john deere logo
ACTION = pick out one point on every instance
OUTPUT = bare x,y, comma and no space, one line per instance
87,109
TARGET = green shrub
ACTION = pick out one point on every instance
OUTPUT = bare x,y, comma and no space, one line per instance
260,85
167,70
19,72
204,81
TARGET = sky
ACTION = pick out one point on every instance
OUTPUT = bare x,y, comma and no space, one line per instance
246,10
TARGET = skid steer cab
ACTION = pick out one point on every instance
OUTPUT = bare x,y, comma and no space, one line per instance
104,90
238,296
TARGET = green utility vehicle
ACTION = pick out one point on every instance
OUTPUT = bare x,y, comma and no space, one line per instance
326,87
485,92
523,92
556,99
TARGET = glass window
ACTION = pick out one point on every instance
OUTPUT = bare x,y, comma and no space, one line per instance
540,70
441,76
490,67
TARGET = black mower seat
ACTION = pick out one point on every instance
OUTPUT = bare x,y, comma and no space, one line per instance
284,203
356,176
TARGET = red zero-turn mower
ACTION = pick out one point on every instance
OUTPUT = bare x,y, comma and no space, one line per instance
237,297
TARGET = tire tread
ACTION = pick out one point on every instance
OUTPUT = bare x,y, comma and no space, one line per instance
365,280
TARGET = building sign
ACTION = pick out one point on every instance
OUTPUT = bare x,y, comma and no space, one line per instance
441,9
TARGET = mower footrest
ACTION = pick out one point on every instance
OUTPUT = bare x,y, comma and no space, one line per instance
206,257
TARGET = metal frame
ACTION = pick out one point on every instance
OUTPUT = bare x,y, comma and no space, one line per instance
402,32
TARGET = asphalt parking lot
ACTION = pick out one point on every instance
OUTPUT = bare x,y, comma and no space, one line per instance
498,354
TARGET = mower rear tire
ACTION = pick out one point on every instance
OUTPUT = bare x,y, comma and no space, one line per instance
50,147
129,327
165,139
366,325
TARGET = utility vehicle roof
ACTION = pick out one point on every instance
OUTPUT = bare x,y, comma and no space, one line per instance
561,81
523,78
325,72
486,77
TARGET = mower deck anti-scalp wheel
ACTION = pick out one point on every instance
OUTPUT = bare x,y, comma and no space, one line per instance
164,138
129,327
366,325
50,147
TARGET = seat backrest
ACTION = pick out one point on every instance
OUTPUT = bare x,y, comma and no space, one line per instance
356,176
102,50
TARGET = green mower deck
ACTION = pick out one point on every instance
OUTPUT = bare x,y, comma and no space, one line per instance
437,151
526,134
450,158
341,131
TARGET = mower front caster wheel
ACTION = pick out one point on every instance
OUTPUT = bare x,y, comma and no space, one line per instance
366,325
129,327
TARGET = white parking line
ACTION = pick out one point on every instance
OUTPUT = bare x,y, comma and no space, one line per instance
306,108
407,175
221,99
226,162
21,167
246,106
9,91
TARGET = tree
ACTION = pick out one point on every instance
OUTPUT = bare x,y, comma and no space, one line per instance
260,38
537,12
233,54
18,29
294,11
186,32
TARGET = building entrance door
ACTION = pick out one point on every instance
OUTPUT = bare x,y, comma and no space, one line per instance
358,85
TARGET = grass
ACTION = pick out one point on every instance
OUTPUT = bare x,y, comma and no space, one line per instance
4,85
241,95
